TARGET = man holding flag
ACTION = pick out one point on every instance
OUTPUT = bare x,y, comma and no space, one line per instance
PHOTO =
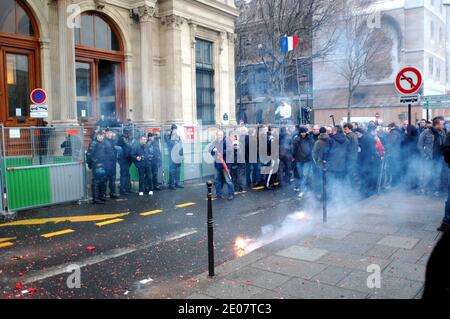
219,149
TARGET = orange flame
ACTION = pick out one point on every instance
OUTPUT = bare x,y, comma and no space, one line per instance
240,246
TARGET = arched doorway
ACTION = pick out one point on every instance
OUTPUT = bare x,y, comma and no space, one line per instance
19,62
99,70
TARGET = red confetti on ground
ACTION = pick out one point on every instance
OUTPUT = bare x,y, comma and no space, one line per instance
90,248
31,290
19,285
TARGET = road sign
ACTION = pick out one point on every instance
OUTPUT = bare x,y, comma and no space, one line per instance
410,98
190,133
39,111
437,105
436,98
409,80
38,96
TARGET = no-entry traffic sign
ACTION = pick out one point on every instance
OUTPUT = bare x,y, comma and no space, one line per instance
38,96
409,80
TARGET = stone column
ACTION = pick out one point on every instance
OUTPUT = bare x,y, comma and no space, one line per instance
64,106
146,15
172,84
231,75
193,33
47,82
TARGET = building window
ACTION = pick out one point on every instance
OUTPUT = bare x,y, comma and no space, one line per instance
99,70
95,32
14,19
19,62
205,81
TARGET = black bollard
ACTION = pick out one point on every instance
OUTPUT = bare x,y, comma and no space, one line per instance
210,223
324,191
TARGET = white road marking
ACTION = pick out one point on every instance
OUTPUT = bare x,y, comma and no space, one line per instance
146,281
253,213
178,236
114,253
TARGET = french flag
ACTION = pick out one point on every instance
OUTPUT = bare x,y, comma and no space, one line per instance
288,44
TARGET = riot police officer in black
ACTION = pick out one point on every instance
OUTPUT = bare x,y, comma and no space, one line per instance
97,161
111,161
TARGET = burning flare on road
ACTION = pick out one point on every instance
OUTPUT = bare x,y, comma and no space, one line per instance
294,223
241,245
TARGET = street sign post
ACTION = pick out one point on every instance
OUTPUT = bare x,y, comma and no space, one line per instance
38,96
38,109
408,82
436,102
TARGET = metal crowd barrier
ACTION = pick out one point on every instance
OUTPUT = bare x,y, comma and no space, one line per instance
41,166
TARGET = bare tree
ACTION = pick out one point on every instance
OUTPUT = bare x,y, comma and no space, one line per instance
264,22
359,46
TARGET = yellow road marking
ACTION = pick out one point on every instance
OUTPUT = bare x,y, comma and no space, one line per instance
58,233
117,220
153,212
185,205
2,240
6,244
71,219
258,188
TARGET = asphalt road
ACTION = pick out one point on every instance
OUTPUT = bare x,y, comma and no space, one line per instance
129,244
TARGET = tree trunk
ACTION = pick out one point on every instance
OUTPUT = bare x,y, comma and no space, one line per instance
349,107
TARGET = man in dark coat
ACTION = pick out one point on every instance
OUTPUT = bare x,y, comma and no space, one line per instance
394,143
302,147
412,157
284,171
124,158
437,280
111,162
173,142
153,139
353,150
251,157
142,155
338,155
369,162
446,153
430,147
97,161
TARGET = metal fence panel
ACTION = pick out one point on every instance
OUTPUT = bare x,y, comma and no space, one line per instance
67,183
42,166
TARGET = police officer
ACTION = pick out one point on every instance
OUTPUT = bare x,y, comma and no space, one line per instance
142,155
111,161
156,160
175,146
96,160
124,158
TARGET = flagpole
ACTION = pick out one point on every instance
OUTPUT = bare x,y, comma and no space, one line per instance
298,92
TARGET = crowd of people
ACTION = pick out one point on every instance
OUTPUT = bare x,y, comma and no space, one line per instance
363,158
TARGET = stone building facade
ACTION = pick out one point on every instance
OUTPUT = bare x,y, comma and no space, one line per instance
416,33
152,61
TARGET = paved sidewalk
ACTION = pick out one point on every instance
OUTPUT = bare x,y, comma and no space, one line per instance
395,231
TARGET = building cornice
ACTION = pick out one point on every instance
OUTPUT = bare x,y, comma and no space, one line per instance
217,6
